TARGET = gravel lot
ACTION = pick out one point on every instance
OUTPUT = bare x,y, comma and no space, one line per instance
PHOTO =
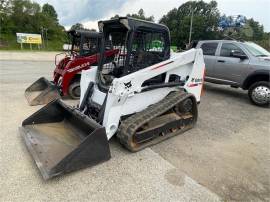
225,157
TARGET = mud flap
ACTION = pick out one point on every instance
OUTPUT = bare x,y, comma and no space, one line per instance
61,140
41,92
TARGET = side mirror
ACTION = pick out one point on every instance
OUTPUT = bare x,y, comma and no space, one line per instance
238,54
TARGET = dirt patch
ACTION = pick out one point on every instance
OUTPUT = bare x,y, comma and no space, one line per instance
175,177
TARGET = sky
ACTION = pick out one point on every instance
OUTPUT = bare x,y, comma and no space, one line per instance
88,12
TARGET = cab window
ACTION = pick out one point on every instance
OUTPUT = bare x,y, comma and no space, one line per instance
89,46
147,49
209,48
228,48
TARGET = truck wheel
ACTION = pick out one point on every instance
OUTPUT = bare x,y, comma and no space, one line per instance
74,90
259,93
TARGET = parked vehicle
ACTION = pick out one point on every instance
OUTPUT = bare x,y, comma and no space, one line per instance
84,53
239,64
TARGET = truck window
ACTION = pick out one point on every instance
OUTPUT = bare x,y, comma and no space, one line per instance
209,48
228,48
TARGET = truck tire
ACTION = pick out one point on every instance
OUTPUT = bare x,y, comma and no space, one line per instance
74,90
259,93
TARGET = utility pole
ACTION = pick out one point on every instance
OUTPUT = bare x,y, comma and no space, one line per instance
46,33
42,37
190,28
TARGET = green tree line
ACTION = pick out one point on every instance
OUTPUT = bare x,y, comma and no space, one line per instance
140,15
29,17
206,18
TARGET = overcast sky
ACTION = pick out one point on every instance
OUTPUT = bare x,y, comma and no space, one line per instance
88,12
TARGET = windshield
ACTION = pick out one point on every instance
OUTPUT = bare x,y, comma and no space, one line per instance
85,46
256,50
89,46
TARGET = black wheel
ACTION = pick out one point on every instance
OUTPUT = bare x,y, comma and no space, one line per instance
184,107
74,90
259,93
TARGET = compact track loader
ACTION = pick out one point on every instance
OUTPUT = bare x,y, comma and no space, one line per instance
84,53
144,96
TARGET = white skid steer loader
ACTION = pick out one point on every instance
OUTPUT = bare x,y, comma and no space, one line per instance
144,96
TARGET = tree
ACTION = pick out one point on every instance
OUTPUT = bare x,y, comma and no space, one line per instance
23,14
5,12
114,17
77,26
28,17
205,21
139,15
247,29
258,30
49,11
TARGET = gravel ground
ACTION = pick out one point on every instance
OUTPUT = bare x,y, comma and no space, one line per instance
228,150
27,55
225,157
141,176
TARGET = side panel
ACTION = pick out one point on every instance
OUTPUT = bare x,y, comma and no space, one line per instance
125,96
196,77
98,96
86,77
117,107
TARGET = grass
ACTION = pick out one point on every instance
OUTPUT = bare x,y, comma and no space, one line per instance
174,48
10,43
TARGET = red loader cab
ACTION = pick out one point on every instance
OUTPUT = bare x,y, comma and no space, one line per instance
84,53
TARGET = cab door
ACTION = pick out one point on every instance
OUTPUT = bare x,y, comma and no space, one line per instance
209,54
228,67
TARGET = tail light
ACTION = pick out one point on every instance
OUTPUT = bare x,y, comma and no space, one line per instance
202,89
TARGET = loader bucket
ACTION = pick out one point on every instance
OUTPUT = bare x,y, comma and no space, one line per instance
41,92
61,139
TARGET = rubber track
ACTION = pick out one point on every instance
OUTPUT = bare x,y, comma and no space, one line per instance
129,126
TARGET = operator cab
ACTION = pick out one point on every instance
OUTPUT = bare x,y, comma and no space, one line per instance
140,44
84,43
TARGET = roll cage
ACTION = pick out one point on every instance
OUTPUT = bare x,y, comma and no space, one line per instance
84,42
140,43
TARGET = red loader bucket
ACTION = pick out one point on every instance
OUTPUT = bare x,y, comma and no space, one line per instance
41,92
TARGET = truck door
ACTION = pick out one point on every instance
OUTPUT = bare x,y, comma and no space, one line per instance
228,68
209,52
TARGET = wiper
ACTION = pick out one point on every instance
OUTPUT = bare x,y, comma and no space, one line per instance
262,55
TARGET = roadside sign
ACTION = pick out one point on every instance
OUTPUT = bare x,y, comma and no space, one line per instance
28,38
